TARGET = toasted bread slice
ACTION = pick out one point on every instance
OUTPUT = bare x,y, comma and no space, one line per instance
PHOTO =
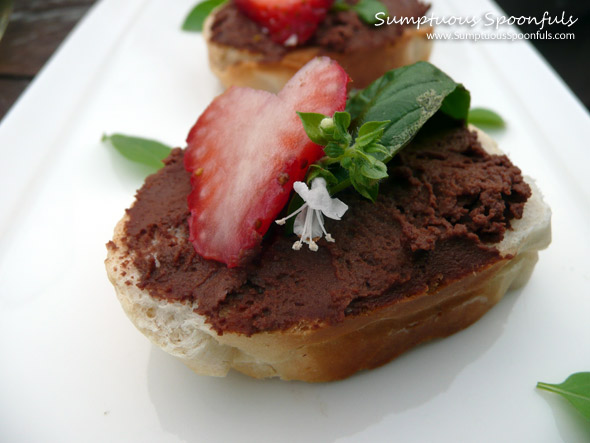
332,352
239,67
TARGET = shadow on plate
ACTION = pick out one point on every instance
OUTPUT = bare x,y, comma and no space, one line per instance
238,407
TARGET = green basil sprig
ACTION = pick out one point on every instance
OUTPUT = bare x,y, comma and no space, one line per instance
575,389
361,163
378,122
139,150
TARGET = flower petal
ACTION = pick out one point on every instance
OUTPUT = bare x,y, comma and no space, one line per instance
319,197
299,226
301,189
336,209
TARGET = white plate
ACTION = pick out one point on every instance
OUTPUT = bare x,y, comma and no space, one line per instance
73,368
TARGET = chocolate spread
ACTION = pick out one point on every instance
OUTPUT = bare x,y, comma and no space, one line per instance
341,31
436,219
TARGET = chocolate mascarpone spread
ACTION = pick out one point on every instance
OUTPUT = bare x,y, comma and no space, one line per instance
341,31
435,221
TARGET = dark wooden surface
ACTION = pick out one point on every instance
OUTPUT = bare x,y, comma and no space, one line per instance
37,27
571,58
35,30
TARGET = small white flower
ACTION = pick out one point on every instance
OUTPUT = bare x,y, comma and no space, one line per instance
327,124
309,224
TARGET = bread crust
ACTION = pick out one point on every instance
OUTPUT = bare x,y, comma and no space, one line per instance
332,352
239,67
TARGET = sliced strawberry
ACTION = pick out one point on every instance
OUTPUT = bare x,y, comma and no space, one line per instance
246,151
289,22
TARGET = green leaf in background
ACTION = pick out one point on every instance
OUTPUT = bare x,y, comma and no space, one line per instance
139,150
340,5
575,389
196,18
407,97
367,9
485,117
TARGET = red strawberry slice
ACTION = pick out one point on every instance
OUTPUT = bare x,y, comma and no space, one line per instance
289,22
246,151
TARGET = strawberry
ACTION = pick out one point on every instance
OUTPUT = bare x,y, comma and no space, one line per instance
246,151
289,22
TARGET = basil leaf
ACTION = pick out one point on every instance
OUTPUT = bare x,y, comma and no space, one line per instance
457,103
575,389
408,97
139,150
485,117
378,151
334,150
196,18
367,9
370,128
369,133
364,186
375,172
341,123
